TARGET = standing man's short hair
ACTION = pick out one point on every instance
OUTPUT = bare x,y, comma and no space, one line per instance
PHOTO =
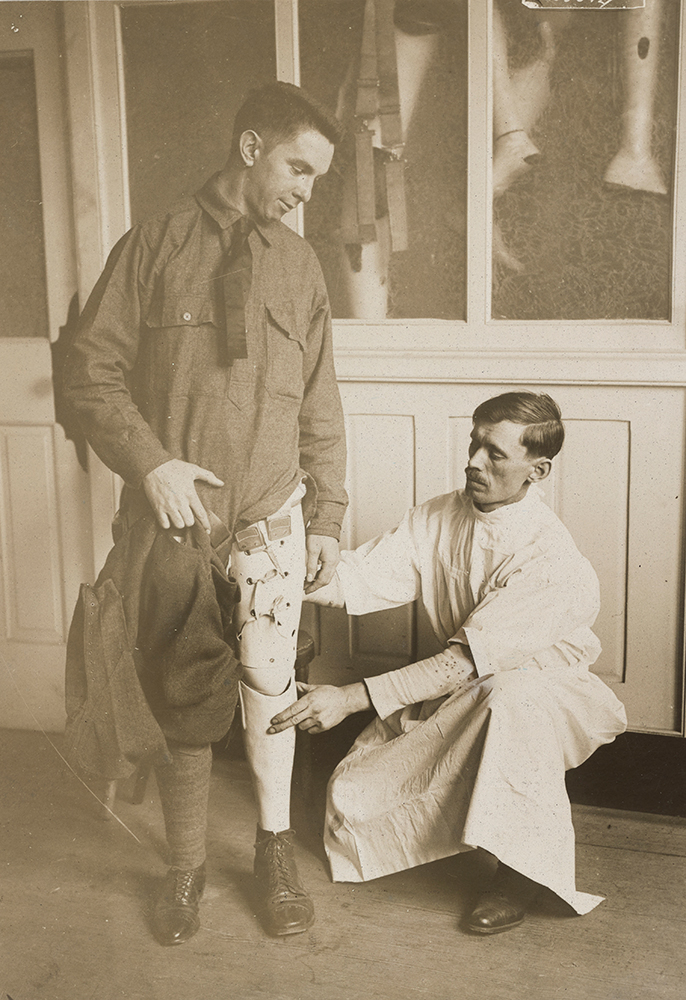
278,112
540,415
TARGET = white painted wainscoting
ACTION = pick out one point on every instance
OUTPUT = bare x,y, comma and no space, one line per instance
617,485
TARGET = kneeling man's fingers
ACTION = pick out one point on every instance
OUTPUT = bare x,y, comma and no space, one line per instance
278,727
311,725
291,716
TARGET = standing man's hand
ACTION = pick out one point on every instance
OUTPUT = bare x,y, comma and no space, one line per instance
322,558
170,488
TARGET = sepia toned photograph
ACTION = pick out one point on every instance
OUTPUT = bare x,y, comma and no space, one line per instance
342,460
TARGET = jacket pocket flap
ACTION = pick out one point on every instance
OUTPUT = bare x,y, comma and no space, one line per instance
291,318
182,310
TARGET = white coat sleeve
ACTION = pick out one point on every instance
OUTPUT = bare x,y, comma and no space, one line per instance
425,680
383,573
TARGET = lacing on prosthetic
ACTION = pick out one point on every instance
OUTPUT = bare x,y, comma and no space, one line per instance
273,612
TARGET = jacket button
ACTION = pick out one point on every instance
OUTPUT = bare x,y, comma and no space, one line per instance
186,316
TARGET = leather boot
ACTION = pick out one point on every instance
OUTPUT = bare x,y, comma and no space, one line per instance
285,907
175,917
503,905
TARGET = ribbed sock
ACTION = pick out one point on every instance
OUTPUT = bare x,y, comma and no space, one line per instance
184,786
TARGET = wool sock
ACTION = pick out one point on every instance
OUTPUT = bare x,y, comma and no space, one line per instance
184,786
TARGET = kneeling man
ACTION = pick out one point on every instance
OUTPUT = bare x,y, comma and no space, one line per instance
469,748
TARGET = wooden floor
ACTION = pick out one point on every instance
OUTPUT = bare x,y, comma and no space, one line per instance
75,893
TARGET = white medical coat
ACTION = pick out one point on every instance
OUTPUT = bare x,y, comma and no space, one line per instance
479,763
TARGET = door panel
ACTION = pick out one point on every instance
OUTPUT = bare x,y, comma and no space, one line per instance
44,509
30,537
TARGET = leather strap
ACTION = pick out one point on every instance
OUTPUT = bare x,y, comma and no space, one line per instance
366,199
397,205
368,79
378,95
387,62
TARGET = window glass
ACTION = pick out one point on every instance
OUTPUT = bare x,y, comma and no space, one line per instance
23,299
188,67
584,142
367,278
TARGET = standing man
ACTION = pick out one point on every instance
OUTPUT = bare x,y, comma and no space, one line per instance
202,373
470,747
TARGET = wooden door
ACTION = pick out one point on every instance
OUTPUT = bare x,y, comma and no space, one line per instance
44,511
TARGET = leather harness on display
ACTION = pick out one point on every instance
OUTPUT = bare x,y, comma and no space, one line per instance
378,96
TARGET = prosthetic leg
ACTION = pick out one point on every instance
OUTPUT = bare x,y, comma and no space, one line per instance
519,99
268,562
634,165
415,36
513,151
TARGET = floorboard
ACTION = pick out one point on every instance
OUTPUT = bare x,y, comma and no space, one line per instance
76,890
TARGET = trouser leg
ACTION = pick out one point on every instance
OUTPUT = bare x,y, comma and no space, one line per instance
184,786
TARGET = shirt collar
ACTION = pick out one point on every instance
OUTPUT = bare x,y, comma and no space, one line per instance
211,200
509,511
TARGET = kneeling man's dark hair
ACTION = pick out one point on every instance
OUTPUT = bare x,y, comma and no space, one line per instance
278,112
543,432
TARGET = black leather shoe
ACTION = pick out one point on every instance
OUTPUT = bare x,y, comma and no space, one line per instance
503,905
175,917
495,912
285,907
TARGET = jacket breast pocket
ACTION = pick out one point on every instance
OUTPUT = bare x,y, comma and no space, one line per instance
181,309
286,336
185,353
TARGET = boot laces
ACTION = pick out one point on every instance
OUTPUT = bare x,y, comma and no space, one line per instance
184,884
281,871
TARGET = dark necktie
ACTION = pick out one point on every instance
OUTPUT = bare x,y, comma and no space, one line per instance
236,284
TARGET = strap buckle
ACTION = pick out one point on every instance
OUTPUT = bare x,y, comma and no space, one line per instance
250,539
278,526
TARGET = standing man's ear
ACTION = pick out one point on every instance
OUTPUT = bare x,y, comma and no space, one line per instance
249,146
541,470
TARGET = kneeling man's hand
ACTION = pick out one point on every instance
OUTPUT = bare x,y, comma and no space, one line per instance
321,707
